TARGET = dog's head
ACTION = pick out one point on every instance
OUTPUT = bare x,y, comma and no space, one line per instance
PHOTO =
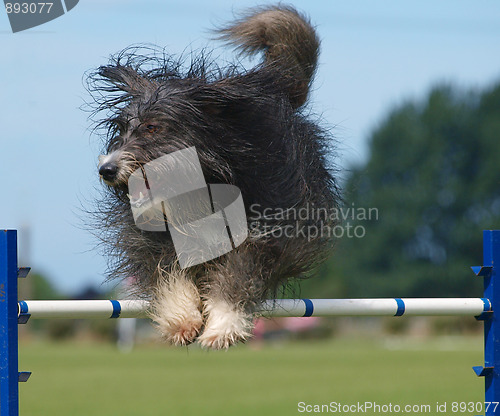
151,113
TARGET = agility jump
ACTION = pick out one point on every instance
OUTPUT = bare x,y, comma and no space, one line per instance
14,311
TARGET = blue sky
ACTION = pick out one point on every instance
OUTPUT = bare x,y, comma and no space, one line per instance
374,56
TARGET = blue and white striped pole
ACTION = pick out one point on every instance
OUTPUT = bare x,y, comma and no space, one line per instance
95,309
376,307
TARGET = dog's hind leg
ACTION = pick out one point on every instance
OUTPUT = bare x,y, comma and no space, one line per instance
176,308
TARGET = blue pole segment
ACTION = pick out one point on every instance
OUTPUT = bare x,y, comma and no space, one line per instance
491,258
309,307
401,307
117,309
9,376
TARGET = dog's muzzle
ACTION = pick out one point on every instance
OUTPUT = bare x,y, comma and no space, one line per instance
108,171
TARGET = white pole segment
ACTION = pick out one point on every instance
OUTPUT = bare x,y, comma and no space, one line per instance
445,306
79,309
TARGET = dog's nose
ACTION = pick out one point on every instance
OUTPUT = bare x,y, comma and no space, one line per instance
108,171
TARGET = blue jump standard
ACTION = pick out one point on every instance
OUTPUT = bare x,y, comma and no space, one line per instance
490,272
9,375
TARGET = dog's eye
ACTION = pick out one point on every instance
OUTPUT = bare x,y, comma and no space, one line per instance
151,128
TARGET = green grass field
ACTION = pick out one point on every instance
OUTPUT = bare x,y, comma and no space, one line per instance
90,380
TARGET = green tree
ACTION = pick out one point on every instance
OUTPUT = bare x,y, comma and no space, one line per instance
433,174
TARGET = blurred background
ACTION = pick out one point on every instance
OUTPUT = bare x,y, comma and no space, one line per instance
410,90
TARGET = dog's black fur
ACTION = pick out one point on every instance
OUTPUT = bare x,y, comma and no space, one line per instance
250,129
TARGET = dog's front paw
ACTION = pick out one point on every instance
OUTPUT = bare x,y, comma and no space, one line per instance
182,330
176,311
225,326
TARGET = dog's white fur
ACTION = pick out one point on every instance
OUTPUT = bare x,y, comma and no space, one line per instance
177,309
179,314
225,325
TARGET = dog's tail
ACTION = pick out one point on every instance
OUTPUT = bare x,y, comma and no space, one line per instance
289,41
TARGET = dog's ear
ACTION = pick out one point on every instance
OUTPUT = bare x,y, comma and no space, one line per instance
126,79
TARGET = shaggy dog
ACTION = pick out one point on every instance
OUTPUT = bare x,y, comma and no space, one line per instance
250,129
